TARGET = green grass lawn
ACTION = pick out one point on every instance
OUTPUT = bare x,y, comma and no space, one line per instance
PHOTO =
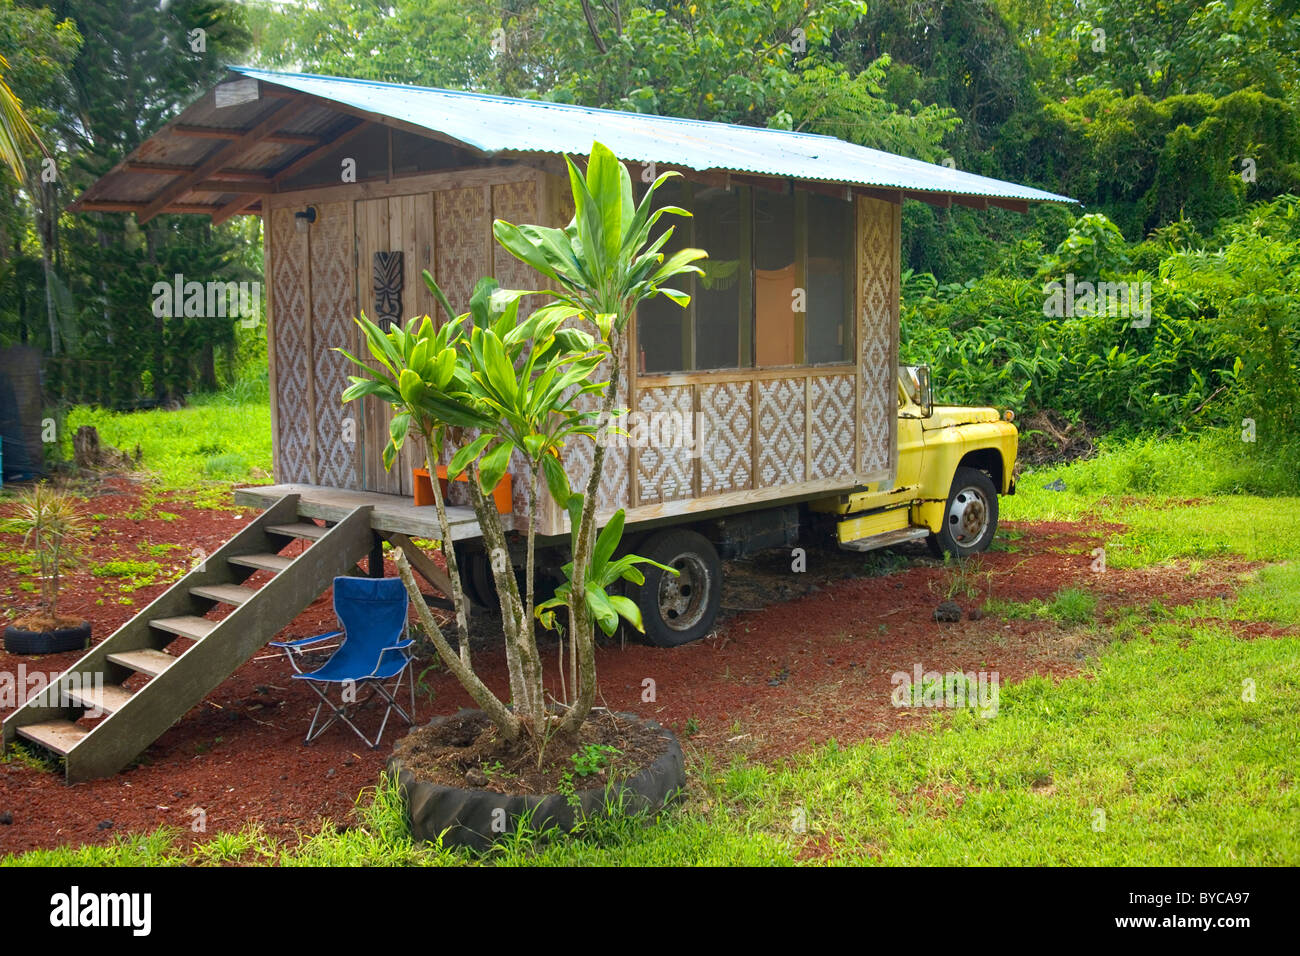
216,438
1147,485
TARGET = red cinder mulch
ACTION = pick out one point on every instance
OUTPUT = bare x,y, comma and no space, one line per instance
772,680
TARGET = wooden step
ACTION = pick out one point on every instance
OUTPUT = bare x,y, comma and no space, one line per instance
302,529
187,625
224,593
59,736
108,698
263,562
144,661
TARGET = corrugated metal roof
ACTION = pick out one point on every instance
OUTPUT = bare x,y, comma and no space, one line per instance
496,124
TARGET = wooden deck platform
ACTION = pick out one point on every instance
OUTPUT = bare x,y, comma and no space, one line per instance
389,513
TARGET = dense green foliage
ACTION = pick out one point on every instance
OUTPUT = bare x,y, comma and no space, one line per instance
1219,345
97,80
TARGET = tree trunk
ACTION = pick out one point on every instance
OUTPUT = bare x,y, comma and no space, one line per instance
580,622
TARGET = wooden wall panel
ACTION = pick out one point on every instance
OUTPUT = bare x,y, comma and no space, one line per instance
831,447
372,235
664,474
781,447
333,305
516,203
727,417
289,341
461,251
878,265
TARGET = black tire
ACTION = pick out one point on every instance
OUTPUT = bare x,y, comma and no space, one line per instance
460,816
678,609
21,641
970,516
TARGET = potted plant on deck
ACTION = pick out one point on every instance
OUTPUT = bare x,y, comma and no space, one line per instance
487,386
52,527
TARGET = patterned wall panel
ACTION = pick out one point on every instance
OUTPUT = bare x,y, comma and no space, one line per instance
289,317
515,203
462,255
664,474
333,304
877,335
579,454
726,420
781,432
832,426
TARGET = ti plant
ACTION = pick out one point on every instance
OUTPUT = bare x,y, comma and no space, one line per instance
601,266
494,386
53,527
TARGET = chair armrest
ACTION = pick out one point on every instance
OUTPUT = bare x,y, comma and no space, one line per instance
403,645
304,641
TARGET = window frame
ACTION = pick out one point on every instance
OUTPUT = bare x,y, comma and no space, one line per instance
746,318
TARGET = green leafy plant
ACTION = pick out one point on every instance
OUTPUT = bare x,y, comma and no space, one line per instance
492,385
593,758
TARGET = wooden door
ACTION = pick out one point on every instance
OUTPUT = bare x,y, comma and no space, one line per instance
405,225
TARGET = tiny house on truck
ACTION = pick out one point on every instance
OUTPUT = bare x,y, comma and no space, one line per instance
772,401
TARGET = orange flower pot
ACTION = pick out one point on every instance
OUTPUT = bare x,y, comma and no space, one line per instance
501,494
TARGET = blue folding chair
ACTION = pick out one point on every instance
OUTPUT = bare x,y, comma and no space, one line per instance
375,649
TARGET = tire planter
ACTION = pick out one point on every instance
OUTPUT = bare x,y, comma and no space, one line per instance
21,641
467,815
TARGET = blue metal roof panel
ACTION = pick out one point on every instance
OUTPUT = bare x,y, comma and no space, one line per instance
494,124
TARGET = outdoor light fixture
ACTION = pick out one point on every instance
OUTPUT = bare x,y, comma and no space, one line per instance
302,220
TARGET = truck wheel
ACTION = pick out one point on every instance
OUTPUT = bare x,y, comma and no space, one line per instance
677,609
970,518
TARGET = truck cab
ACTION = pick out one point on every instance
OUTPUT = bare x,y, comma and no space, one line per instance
953,463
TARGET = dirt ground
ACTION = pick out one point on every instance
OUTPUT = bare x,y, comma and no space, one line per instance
797,659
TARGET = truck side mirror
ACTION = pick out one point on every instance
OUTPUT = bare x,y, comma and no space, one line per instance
924,397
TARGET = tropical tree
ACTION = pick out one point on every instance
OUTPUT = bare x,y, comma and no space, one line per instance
601,266
493,384
16,133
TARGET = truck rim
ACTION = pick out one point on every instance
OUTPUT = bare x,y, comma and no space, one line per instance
683,596
968,516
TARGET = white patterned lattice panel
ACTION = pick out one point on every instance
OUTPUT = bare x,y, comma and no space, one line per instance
289,315
664,474
333,290
877,358
579,454
832,426
781,432
462,256
726,421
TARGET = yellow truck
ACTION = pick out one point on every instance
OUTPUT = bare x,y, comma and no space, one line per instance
953,463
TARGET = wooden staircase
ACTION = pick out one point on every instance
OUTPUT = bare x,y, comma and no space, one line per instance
133,719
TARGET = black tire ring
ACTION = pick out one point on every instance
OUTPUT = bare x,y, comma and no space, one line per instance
21,641
467,814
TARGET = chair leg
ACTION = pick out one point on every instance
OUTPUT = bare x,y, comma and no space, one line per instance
344,711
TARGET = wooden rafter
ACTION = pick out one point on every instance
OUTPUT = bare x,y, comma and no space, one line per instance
174,169
284,112
113,205
311,155
217,132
